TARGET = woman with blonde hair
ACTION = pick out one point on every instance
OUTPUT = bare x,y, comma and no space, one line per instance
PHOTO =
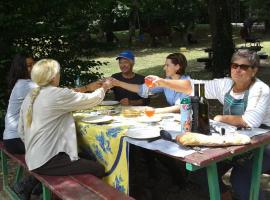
47,127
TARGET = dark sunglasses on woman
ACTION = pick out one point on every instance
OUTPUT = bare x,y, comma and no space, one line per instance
242,66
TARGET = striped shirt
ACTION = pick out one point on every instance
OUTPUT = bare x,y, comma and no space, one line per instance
258,106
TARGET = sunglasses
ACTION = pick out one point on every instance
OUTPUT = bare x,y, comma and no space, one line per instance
242,66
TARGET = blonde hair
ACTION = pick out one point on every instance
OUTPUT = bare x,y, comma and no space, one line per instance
42,74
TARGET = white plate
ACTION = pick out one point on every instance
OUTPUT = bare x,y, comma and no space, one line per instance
145,119
143,132
109,103
84,114
98,119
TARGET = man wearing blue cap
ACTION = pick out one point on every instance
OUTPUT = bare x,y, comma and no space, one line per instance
126,62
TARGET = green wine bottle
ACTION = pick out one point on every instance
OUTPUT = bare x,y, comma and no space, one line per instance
203,124
195,109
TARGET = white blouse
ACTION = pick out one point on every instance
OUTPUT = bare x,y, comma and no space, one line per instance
53,127
258,106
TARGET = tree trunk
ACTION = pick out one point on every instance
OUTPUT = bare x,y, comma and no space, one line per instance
267,26
132,20
221,30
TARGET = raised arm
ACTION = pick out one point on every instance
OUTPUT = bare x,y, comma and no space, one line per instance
177,85
89,87
131,87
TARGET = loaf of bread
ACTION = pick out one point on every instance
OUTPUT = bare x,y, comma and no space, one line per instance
131,113
197,139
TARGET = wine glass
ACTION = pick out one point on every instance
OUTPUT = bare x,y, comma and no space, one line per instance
149,111
149,83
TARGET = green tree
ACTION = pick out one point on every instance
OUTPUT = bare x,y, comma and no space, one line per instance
49,29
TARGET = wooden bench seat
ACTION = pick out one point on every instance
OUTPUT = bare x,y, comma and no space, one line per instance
251,48
252,42
263,56
203,59
77,187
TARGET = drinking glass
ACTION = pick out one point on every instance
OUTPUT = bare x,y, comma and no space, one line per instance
149,83
149,111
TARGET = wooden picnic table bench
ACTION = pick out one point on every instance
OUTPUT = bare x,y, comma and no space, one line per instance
251,48
76,187
208,60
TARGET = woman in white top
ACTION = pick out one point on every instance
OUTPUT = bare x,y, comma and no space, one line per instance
47,127
246,103
19,84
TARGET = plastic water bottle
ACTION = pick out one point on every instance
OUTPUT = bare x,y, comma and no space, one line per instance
185,108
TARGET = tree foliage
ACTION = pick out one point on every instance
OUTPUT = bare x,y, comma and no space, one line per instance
55,29
49,29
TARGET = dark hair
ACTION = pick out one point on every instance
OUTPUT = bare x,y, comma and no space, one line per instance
180,59
18,70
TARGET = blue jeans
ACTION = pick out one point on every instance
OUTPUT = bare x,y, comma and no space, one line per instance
241,176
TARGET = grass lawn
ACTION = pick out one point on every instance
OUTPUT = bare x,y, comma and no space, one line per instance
151,60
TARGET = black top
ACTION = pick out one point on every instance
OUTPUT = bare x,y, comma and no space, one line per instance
120,93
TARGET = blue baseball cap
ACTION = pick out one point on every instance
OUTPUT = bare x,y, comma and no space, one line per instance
126,54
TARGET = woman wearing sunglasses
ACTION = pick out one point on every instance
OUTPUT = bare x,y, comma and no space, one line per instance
246,103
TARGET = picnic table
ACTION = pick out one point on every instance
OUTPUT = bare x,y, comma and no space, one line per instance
212,156
105,141
208,61
208,158
108,141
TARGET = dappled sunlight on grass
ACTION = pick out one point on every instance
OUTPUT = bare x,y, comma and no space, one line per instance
151,60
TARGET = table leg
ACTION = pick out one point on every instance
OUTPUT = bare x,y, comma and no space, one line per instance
213,184
256,173
212,177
